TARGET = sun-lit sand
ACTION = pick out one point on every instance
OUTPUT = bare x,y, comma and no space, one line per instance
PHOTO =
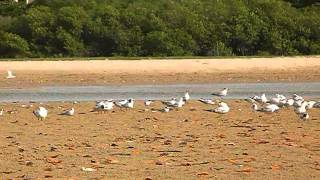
281,69
191,143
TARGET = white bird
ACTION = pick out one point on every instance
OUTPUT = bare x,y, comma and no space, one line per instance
122,102
264,98
10,75
297,97
298,103
171,102
222,93
301,109
304,116
41,113
316,105
266,108
166,109
311,104
1,112
206,101
223,108
68,112
179,103
104,105
129,104
289,102
148,102
186,96
275,100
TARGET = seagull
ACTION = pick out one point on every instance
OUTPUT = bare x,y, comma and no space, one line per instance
129,103
298,103
179,103
304,116
186,96
267,108
290,102
171,102
122,102
10,75
297,97
262,98
223,108
206,101
311,104
68,112
104,105
301,109
316,105
165,109
148,102
41,113
222,93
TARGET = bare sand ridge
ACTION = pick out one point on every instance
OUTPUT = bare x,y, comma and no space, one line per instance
286,69
190,143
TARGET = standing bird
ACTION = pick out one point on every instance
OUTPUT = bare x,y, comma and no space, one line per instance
10,75
68,112
222,93
41,113
179,103
186,96
222,109
129,104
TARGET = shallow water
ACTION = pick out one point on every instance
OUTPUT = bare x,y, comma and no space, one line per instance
141,92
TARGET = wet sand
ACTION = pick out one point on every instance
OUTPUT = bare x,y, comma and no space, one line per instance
191,143
132,72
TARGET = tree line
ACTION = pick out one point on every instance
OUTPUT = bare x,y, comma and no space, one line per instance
91,28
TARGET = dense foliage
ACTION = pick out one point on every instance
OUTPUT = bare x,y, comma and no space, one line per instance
58,28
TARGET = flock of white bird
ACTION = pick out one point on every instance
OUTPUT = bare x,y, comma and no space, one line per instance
273,104
267,105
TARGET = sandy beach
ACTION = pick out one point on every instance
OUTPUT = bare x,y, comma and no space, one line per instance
106,72
189,143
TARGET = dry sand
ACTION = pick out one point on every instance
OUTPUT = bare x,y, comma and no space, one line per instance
187,144
283,69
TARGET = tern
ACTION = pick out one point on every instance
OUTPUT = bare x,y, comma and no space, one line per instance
41,113
266,108
129,103
206,101
186,96
179,103
148,102
311,104
104,106
68,112
165,109
10,75
171,102
301,109
222,93
222,109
